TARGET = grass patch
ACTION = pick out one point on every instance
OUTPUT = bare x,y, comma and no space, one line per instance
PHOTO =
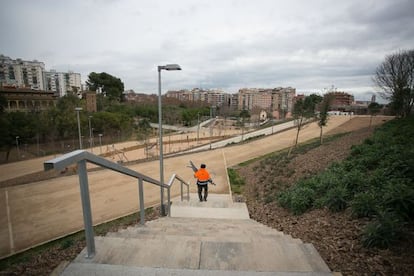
236,182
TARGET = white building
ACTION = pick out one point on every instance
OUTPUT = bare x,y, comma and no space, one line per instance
32,75
63,83
21,74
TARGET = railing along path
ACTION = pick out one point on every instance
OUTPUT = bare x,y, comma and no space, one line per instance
81,157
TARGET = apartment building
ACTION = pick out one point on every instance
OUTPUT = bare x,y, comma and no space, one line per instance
341,100
278,101
32,75
213,97
63,83
250,98
19,73
282,102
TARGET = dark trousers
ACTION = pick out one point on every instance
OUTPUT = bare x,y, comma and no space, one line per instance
200,190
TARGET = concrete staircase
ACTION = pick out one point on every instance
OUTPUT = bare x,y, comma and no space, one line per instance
216,237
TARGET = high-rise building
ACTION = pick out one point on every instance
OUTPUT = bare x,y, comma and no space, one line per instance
214,97
341,99
278,101
19,73
63,83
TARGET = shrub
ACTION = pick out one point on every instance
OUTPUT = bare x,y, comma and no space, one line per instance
336,198
364,205
66,243
399,197
297,200
384,231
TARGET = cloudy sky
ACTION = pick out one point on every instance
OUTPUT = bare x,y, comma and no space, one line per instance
228,44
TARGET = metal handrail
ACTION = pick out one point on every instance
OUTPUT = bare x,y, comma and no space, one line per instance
80,157
169,184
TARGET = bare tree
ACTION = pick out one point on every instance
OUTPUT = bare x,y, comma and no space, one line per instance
373,109
303,110
323,114
395,77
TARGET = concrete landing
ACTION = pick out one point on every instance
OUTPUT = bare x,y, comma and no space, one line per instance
217,206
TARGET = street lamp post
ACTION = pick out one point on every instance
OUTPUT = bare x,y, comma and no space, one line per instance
78,109
90,133
198,126
168,67
17,146
100,142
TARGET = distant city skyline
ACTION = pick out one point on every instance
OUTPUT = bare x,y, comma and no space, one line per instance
309,45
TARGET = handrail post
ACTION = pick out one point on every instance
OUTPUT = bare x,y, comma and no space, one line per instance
181,183
86,208
169,201
188,192
141,201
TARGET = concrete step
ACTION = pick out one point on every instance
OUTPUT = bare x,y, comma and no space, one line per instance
206,255
213,201
204,226
241,237
206,230
81,269
236,211
259,256
209,224
218,206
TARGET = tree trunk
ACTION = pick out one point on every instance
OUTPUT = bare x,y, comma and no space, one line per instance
321,135
297,133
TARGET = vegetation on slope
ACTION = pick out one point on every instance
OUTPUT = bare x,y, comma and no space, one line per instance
341,237
375,181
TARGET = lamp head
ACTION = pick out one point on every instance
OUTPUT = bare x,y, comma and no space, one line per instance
169,67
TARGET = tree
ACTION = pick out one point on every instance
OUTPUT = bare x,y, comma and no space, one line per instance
111,86
6,139
373,109
395,76
3,103
64,118
15,124
323,114
303,110
143,130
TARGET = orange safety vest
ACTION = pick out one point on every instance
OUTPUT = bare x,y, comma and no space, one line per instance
202,176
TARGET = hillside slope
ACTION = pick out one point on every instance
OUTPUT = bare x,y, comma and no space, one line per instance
335,235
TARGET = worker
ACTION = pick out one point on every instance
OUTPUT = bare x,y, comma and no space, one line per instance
203,179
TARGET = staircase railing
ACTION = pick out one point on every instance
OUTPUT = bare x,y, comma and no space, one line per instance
81,157
170,183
